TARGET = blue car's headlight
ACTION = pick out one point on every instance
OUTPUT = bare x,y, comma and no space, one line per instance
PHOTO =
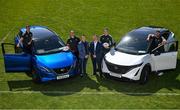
44,69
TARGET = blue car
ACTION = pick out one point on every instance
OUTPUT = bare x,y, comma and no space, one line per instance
50,59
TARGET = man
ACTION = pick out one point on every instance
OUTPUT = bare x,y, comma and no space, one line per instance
72,42
26,40
157,40
107,42
94,49
83,49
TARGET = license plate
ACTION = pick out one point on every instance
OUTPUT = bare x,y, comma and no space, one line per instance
116,75
62,76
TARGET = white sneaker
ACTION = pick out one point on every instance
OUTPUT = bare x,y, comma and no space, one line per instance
160,73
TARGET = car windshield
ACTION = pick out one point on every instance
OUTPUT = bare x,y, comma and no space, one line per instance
48,45
133,44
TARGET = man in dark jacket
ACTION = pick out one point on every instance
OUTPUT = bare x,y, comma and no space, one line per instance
26,40
72,42
94,49
83,49
107,42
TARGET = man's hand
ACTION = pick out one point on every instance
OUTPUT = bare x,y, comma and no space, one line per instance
94,56
29,43
86,56
18,45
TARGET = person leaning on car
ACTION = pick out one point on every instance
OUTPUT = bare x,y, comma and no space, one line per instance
157,42
107,42
72,42
83,48
26,40
94,49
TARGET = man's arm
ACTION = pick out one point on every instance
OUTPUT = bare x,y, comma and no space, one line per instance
164,41
150,36
20,41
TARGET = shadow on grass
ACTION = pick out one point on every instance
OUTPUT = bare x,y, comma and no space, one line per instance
55,88
76,84
167,81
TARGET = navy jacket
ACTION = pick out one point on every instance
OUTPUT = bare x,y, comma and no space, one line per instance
83,49
97,50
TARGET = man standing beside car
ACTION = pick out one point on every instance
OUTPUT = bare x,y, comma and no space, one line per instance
72,42
157,42
107,42
94,49
83,48
26,40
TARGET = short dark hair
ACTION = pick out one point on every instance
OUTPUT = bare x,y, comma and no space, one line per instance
27,26
158,31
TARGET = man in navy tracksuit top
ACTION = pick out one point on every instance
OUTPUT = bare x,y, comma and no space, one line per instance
94,49
83,49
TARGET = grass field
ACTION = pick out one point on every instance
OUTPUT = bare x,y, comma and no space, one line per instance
89,17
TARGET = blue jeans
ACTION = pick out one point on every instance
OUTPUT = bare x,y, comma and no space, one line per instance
82,65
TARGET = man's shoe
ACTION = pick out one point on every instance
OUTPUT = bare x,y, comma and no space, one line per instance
160,73
81,75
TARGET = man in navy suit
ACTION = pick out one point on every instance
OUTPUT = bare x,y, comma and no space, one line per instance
94,49
83,49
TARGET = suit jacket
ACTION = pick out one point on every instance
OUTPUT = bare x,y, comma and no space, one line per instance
96,51
83,49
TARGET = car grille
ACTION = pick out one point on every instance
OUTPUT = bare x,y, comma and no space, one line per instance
62,70
118,68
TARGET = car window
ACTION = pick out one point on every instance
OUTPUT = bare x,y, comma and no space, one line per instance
47,45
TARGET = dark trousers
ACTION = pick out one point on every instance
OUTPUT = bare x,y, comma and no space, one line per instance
103,53
82,65
96,64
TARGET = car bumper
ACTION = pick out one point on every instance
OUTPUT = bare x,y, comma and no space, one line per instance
49,76
132,74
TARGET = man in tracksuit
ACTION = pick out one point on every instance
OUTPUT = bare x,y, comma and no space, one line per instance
72,42
107,42
83,49
94,49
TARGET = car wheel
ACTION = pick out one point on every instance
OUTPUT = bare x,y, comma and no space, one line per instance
36,78
144,75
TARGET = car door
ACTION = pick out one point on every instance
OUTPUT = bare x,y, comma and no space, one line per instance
167,59
15,62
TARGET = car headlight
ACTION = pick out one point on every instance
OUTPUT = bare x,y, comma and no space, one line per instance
44,69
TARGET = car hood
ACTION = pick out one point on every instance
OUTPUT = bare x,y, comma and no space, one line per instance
124,59
56,60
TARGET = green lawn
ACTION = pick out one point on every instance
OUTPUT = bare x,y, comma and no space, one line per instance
89,17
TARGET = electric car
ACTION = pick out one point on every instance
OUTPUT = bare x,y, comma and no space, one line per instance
134,58
50,58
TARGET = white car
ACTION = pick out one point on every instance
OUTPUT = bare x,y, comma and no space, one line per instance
135,58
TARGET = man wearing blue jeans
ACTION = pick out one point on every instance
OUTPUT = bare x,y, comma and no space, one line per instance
83,49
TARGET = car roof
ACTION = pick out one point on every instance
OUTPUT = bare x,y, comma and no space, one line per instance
144,31
39,32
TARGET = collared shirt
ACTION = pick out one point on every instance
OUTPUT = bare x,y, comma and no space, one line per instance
95,44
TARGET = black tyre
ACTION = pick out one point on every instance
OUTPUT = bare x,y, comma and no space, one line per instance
144,75
36,78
